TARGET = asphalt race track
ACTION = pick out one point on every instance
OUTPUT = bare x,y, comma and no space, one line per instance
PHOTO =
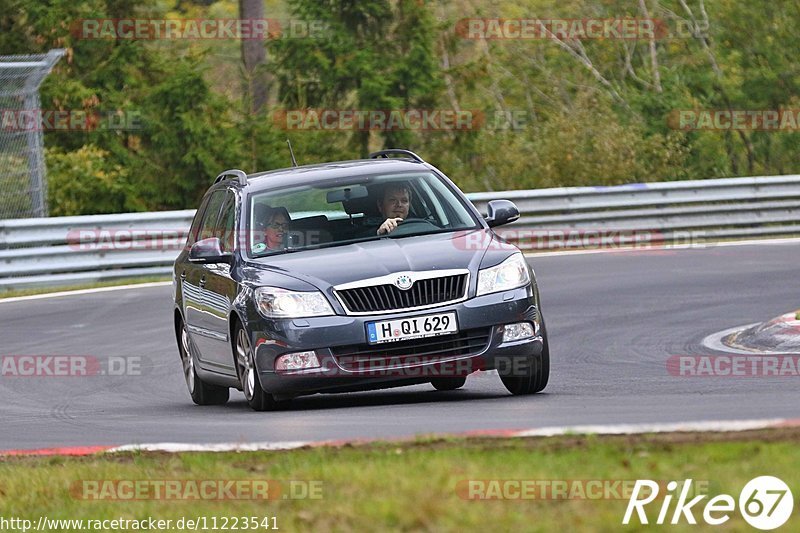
613,318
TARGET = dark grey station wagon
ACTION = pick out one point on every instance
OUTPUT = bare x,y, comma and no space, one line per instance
350,276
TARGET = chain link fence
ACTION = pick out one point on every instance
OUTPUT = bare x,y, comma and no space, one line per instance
23,183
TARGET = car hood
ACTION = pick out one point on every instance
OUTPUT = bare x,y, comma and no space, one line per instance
328,267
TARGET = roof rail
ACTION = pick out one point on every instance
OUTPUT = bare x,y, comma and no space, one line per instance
234,173
396,151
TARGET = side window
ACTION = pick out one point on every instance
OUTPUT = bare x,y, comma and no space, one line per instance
209,227
194,231
227,222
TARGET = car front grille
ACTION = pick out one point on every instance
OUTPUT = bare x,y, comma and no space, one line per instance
387,297
360,357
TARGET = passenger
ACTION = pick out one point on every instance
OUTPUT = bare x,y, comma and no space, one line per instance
274,221
393,205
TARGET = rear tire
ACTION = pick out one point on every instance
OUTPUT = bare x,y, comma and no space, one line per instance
444,384
202,393
257,398
534,375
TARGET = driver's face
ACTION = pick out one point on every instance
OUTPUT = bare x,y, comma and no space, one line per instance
395,204
275,231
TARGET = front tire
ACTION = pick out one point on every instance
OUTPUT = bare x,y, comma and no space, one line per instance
257,398
534,375
202,393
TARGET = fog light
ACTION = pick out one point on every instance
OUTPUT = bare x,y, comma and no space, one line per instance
518,331
297,361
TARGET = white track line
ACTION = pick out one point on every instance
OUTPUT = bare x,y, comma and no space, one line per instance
636,429
714,342
613,429
609,429
84,291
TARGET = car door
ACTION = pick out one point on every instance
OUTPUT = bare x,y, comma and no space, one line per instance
220,290
194,278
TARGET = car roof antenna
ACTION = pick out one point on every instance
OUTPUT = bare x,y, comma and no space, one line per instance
294,161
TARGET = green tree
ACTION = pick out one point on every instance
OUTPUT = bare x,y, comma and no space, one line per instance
183,133
374,55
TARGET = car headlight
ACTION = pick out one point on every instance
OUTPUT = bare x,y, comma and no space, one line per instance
274,302
510,274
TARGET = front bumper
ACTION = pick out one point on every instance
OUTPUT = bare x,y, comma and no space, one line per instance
325,335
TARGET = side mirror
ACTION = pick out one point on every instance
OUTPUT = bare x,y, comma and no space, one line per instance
209,251
501,212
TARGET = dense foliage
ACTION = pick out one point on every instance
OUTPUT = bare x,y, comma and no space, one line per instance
555,111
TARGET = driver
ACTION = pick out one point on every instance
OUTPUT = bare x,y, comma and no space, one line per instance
393,205
271,224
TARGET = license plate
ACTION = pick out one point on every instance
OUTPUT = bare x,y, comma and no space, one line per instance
403,329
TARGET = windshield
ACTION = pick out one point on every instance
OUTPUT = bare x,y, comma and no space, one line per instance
366,208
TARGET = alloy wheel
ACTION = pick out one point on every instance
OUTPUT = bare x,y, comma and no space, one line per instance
188,360
244,358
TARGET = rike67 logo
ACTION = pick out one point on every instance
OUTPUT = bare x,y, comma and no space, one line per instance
765,503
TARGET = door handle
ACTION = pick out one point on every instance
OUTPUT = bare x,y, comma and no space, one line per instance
203,282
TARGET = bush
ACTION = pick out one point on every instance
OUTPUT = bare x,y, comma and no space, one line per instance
86,182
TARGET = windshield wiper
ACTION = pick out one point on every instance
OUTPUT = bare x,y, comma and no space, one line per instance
430,232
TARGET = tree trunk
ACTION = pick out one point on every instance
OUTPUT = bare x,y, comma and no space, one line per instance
254,56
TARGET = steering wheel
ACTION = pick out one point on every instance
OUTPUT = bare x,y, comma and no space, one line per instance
413,225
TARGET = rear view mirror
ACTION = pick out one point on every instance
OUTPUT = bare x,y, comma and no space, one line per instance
350,193
501,212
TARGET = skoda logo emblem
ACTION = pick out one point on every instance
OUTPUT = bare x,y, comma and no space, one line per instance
404,282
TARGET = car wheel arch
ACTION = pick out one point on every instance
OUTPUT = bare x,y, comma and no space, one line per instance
234,319
179,321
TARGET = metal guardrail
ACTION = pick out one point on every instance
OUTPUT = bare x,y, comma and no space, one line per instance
62,251
648,214
76,250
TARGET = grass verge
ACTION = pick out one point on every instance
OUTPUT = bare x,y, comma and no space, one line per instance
95,285
411,486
